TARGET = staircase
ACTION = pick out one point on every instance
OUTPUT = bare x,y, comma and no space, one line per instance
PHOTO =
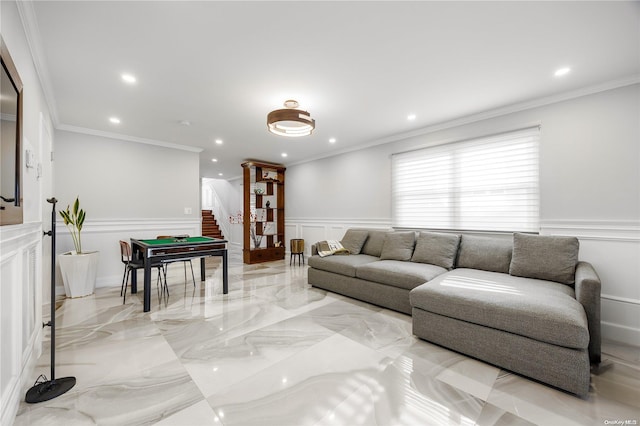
210,226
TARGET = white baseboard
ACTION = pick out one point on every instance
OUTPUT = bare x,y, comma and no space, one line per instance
621,333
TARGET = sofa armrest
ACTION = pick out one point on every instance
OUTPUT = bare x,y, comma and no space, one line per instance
588,289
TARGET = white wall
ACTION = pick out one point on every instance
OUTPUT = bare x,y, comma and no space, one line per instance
118,179
235,207
24,270
128,190
589,182
590,154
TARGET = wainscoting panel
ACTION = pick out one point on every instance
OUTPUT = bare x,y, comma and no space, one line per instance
30,299
311,235
20,310
613,248
291,232
11,319
314,230
104,236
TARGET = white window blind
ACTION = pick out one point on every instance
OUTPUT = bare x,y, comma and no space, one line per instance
485,184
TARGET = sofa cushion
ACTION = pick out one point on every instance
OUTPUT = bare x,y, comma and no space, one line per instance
487,254
436,249
399,273
398,246
541,310
373,245
545,257
354,239
343,265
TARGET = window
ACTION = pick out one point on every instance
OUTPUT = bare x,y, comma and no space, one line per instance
485,184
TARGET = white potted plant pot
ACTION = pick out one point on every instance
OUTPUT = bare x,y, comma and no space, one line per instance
78,268
79,272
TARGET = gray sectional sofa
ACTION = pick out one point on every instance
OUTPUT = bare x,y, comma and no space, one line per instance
522,302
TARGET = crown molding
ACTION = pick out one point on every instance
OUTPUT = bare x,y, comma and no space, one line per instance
30,24
527,105
29,21
32,33
118,136
486,115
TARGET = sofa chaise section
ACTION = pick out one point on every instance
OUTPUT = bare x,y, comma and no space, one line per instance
533,327
537,314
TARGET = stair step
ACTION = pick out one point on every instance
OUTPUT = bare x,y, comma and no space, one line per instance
210,226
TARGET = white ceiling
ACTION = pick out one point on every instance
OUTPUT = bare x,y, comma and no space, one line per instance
359,67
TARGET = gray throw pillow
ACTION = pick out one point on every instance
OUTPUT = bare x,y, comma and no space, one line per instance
354,239
436,249
485,253
373,245
545,257
398,246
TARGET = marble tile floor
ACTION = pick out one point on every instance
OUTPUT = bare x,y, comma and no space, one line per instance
276,352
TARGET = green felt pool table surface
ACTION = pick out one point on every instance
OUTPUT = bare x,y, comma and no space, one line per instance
177,241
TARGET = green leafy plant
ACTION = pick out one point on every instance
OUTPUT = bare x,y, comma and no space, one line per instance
74,219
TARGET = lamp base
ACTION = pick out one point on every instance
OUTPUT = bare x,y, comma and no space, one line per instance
50,389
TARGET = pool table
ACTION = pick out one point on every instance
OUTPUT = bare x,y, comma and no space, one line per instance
176,248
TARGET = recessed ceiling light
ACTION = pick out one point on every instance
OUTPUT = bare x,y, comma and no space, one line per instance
128,78
562,71
411,117
219,174
185,123
114,120
332,140
284,154
219,141
215,160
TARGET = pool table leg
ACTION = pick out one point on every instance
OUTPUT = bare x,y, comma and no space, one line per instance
147,285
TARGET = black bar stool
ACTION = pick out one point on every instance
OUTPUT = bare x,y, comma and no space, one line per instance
297,249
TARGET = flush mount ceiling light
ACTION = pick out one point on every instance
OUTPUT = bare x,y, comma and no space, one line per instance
290,121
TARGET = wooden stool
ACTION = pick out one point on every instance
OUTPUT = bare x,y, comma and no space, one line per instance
297,249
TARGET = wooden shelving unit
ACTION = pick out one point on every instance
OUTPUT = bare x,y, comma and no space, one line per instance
263,223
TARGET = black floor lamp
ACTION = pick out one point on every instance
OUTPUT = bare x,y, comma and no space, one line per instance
49,389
